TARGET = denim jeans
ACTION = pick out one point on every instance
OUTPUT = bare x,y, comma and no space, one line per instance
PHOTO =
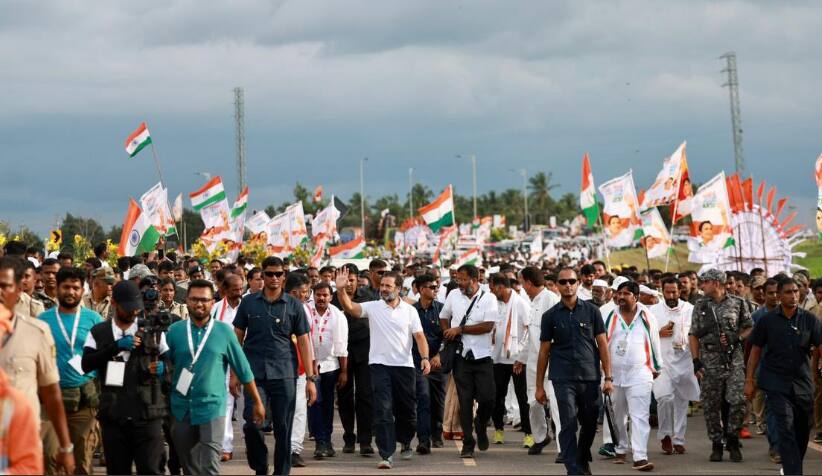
321,414
395,406
279,398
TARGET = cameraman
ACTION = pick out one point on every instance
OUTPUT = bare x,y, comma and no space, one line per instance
132,405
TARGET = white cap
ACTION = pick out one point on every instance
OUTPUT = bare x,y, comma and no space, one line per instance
618,282
600,283
34,261
646,290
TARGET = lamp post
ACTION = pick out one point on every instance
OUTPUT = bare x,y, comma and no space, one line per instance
524,174
473,176
362,194
411,192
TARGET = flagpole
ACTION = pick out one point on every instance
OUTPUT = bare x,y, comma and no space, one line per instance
162,182
673,215
762,233
604,242
647,259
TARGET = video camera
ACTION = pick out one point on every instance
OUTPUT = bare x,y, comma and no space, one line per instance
151,325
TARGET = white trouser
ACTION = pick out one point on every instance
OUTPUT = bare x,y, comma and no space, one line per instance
672,411
536,412
228,435
299,422
633,401
511,404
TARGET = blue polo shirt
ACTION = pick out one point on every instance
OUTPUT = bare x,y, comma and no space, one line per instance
572,333
268,328
206,396
430,319
70,378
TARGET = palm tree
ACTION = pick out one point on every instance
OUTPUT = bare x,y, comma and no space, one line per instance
540,186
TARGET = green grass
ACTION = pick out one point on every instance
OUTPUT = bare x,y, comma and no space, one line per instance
813,260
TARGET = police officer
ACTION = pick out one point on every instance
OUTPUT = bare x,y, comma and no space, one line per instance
573,334
787,335
264,324
132,405
719,325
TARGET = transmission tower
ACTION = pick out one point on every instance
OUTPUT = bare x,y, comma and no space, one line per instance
239,133
736,116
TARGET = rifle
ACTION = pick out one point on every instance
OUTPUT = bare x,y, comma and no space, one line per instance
727,350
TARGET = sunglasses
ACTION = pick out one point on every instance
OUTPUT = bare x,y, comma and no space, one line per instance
432,287
380,273
563,282
274,274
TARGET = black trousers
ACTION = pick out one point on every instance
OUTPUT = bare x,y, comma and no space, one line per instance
395,412
502,374
577,401
127,443
356,399
475,381
280,399
790,418
430,406
172,461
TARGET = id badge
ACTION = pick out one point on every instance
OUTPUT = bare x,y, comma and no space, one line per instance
76,363
622,346
679,346
184,382
115,373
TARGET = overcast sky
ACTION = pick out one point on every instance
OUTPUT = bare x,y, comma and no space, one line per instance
405,83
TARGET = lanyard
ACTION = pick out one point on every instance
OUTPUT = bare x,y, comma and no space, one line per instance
196,355
71,341
316,321
627,329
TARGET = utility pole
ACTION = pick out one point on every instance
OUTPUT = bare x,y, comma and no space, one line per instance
411,192
524,174
239,137
473,176
362,194
736,116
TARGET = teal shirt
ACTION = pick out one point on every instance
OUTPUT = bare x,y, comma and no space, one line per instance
206,396
70,378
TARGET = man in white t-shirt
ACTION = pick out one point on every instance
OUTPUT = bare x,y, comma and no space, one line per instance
473,370
393,324
224,310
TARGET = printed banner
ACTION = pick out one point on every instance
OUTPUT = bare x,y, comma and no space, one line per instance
621,211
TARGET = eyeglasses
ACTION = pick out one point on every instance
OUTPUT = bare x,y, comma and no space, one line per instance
200,300
563,282
274,274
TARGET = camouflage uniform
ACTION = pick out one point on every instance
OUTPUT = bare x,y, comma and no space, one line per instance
724,375
44,298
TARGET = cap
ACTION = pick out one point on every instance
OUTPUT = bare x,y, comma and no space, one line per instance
106,274
713,275
34,261
646,290
618,282
194,269
600,283
139,272
127,295
758,282
800,278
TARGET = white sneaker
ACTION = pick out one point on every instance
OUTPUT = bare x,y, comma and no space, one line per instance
406,453
385,464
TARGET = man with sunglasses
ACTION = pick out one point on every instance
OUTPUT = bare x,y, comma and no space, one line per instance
431,387
573,334
264,324
788,335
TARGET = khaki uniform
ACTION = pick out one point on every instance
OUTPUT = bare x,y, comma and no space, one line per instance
103,307
28,359
48,302
29,307
178,309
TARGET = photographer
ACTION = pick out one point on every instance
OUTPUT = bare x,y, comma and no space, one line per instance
128,354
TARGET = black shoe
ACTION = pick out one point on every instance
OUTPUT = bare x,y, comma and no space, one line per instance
348,448
328,451
559,459
538,446
424,448
297,461
482,439
366,450
437,444
467,451
716,452
733,449
319,450
585,468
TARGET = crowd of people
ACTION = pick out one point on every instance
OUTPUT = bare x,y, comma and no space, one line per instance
147,363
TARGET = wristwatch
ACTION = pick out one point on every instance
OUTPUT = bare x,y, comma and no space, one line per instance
67,449
609,379
423,358
313,378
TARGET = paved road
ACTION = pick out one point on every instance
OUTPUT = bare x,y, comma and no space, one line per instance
510,458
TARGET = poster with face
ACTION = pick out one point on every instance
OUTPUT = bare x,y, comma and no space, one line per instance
656,238
621,211
665,188
711,229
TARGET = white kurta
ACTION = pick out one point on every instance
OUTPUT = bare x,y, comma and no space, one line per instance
677,373
510,329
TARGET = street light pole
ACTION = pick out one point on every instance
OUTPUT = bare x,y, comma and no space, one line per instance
362,195
524,174
411,192
473,177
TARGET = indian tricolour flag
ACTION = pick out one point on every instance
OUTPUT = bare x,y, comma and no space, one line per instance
440,212
472,256
209,194
353,249
138,236
241,204
138,140
587,195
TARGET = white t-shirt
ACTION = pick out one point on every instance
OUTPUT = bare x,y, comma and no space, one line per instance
484,310
392,332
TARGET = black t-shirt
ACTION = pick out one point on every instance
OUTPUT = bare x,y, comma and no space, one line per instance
785,363
572,333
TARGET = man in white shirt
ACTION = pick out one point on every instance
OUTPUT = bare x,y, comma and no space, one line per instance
329,335
393,324
633,344
676,384
224,310
473,370
533,282
587,274
508,335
